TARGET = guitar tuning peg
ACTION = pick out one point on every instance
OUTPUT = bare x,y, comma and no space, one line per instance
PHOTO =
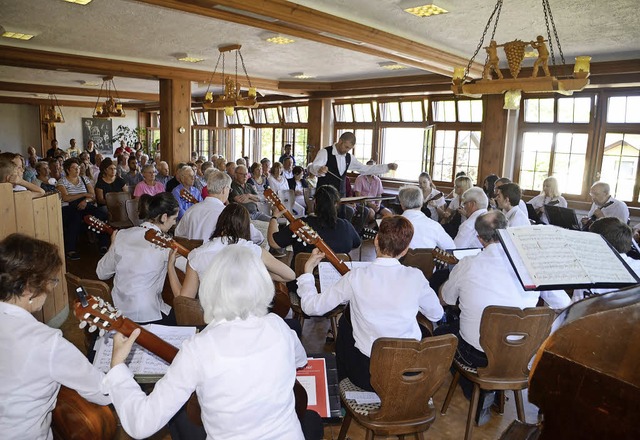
94,306
92,329
112,316
304,243
300,239
86,316
102,332
294,236
83,324
118,314
110,307
96,319
101,302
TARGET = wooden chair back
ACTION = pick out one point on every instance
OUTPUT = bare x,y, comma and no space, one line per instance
93,287
405,373
118,217
131,206
308,194
301,260
421,258
188,311
510,337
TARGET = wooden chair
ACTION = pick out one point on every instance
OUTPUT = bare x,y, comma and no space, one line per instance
188,311
334,314
420,258
131,206
509,337
405,374
118,217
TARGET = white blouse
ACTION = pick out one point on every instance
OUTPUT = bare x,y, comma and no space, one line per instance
200,258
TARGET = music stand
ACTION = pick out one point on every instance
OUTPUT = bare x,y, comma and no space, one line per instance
533,215
564,217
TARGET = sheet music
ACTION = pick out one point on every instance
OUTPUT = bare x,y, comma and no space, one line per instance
329,275
140,360
548,255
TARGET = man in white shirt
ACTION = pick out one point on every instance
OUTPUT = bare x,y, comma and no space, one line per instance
200,220
474,203
508,197
604,205
522,205
479,281
427,233
287,168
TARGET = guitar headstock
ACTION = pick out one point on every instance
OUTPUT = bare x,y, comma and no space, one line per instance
159,239
368,233
273,199
97,225
443,257
304,232
96,313
187,196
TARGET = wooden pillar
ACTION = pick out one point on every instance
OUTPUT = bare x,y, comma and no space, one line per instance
314,133
494,132
47,132
175,121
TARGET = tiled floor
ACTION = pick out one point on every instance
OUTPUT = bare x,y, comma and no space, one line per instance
450,426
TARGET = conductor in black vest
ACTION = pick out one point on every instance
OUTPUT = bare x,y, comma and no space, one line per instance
331,164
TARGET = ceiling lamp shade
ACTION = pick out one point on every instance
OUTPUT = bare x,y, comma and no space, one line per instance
232,95
494,82
53,113
112,107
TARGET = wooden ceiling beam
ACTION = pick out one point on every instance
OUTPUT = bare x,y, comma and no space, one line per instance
74,91
61,102
310,24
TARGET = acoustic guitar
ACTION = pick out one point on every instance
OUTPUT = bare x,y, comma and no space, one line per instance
101,316
187,196
306,233
98,226
593,218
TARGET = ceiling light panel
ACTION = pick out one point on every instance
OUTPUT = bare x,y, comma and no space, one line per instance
390,65
17,35
301,75
424,10
278,39
79,2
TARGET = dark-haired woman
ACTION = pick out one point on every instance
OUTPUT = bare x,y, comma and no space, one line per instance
384,299
108,181
140,267
78,200
232,228
36,359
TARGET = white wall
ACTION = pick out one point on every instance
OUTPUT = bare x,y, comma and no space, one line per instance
19,127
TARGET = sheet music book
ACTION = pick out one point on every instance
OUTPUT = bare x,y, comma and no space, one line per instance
329,275
141,361
313,377
550,258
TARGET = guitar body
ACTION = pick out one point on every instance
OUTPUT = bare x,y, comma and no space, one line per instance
281,302
75,418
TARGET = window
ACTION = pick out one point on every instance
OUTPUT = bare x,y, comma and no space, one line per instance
364,140
554,141
403,146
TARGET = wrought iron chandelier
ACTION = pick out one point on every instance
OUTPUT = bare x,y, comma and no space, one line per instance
112,106
53,113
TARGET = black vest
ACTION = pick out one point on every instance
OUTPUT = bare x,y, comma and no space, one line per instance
332,164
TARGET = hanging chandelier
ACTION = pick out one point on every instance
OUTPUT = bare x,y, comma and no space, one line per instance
53,113
112,106
232,95
515,52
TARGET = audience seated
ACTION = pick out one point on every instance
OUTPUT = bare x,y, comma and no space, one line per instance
149,184
163,173
186,176
245,194
371,186
108,181
133,176
12,170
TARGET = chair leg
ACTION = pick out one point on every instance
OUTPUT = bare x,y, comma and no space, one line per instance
301,320
334,327
452,388
501,400
369,435
519,405
345,426
473,407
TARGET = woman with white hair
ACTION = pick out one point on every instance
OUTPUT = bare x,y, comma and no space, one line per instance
242,365
550,195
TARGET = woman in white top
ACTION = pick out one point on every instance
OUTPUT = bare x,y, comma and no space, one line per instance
242,365
433,202
550,195
36,359
232,228
276,180
140,267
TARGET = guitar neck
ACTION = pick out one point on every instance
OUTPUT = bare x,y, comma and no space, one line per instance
148,340
181,249
332,257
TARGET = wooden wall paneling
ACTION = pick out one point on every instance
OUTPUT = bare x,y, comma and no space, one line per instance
24,213
7,211
41,219
47,132
314,133
54,221
175,112
494,131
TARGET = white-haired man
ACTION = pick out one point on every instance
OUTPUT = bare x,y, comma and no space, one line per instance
604,205
474,203
200,220
427,233
187,177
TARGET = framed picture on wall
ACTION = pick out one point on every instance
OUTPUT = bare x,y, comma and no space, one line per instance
100,132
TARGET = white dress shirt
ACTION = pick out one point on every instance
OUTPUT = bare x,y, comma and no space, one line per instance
341,160
35,361
426,232
199,221
288,174
243,372
384,298
618,209
540,200
467,237
516,217
488,279
140,269
200,258
523,207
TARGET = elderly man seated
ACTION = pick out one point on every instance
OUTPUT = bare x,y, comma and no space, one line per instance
246,195
427,233
474,203
604,205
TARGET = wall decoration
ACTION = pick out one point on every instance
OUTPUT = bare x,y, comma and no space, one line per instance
100,132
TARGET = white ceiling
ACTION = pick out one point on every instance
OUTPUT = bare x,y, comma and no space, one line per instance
134,31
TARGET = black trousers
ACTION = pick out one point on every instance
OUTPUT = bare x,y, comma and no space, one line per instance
73,224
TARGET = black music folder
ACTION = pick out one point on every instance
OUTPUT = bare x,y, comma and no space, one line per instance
551,258
563,217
